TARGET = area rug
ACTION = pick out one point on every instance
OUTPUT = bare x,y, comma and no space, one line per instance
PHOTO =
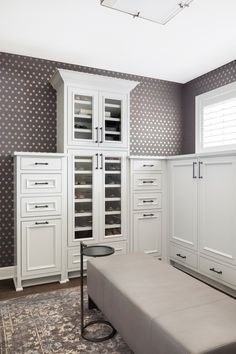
50,323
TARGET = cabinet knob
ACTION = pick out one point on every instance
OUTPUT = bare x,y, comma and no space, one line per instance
41,206
180,255
42,223
41,163
216,271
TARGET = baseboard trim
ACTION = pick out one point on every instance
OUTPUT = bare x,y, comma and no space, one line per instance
7,272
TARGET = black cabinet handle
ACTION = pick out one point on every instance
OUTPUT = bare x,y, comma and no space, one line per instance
40,183
148,181
148,215
194,163
101,161
96,141
216,271
41,163
180,255
148,201
97,162
199,169
42,223
41,206
101,141
148,165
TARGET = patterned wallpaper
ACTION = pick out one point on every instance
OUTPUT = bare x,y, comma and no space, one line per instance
28,122
210,81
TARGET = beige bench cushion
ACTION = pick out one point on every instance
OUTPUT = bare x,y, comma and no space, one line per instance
145,299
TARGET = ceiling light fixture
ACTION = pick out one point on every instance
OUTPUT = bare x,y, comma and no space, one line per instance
158,11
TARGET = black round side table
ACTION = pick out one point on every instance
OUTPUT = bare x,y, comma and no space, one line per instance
92,251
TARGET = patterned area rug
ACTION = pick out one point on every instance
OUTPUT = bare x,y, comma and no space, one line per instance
50,323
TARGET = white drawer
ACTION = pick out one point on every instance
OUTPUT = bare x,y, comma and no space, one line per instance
40,206
41,163
40,183
147,200
147,181
73,260
183,256
217,271
147,165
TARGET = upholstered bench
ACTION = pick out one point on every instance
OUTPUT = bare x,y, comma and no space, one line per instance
158,309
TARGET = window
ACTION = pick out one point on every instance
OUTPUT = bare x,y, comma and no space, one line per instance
216,119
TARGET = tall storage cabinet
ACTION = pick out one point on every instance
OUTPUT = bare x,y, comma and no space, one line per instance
202,204
40,218
93,130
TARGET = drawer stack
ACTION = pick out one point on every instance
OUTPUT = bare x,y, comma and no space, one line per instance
146,205
40,229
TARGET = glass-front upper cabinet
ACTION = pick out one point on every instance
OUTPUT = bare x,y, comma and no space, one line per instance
83,223
83,117
114,119
114,205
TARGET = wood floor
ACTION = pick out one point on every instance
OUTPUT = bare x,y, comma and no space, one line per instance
7,289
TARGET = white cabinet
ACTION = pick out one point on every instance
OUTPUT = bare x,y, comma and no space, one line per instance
147,198
183,202
217,208
98,191
147,232
92,110
202,209
41,247
40,218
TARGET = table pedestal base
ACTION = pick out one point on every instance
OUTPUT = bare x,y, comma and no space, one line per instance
100,339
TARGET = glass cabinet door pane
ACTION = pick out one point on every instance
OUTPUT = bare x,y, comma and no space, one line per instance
113,116
83,197
113,196
83,117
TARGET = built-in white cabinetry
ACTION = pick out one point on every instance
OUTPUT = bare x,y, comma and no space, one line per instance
202,209
147,181
40,218
93,130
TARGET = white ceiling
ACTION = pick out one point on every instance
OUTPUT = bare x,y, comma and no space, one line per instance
199,39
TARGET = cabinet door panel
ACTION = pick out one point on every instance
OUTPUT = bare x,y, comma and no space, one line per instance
183,203
113,120
147,232
83,123
41,247
113,196
217,208
83,196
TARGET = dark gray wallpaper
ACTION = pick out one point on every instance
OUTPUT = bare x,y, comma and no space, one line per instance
28,122
210,81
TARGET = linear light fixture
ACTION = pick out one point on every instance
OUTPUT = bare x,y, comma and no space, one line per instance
158,11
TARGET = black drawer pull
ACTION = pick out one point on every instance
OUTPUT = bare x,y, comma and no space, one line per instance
148,165
148,215
41,206
216,271
40,183
42,223
41,163
148,201
180,255
148,181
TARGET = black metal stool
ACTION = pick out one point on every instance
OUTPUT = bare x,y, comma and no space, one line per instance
93,251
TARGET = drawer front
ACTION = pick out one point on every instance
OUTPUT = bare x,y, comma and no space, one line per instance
218,271
41,163
147,181
183,256
147,165
146,200
73,260
40,206
38,184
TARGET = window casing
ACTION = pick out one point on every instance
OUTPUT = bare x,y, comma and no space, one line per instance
216,120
